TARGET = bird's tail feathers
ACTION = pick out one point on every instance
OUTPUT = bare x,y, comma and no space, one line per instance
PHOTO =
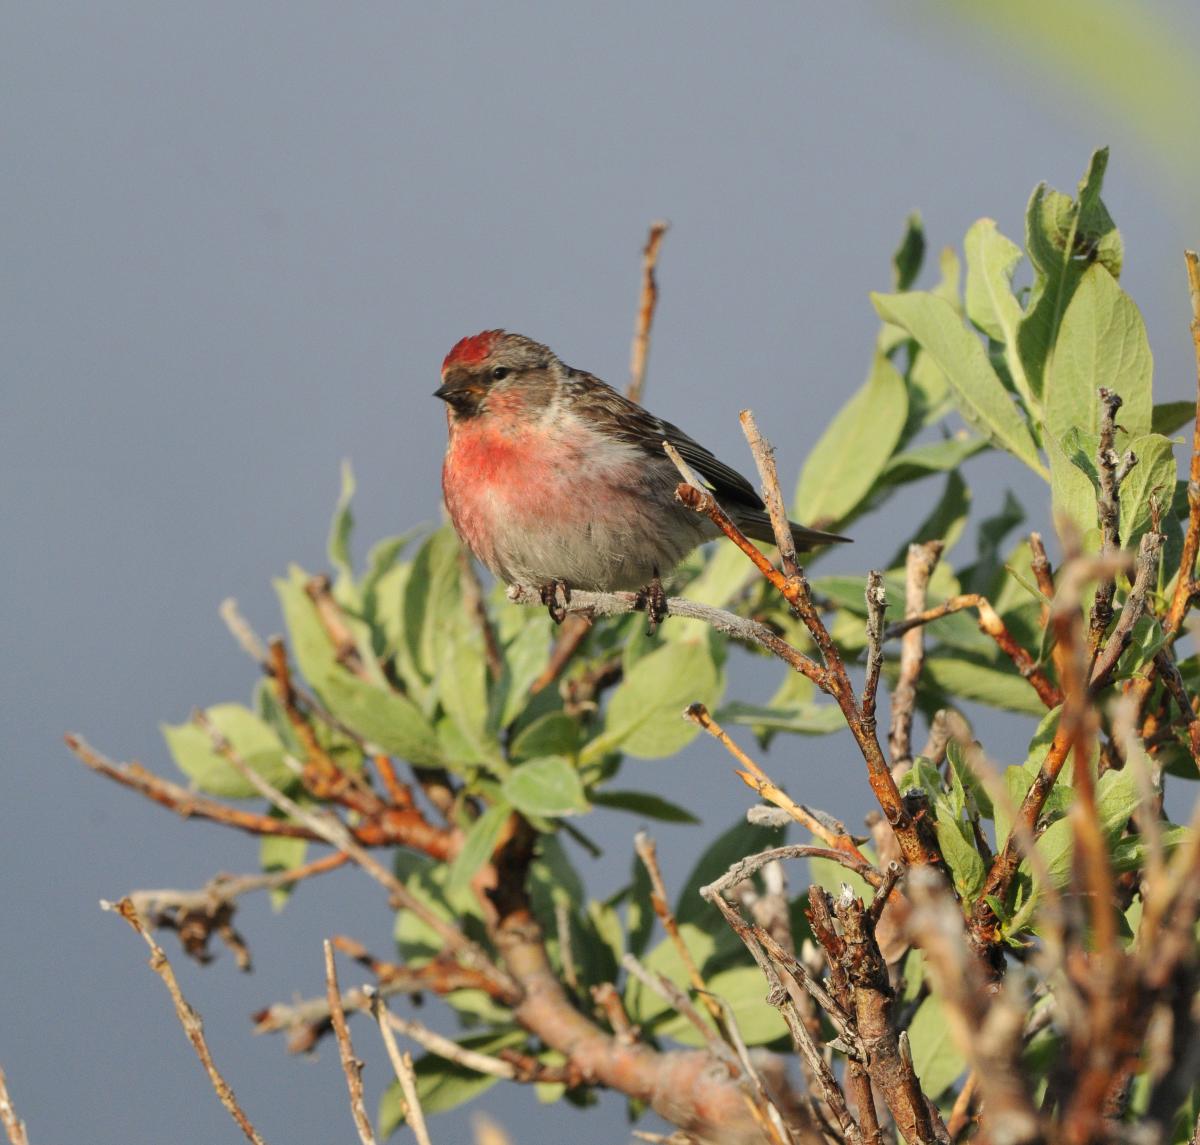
757,526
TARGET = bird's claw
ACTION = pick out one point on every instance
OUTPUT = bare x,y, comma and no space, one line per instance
556,596
654,600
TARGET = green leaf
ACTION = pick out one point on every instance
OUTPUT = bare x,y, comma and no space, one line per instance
478,846
253,740
945,522
1168,417
981,397
1101,342
969,677
740,840
935,457
906,262
388,719
340,530
853,450
991,260
645,714
462,688
937,1061
525,655
546,786
555,733
1153,475
959,850
1063,238
645,804
432,599
803,719
1073,483
281,853
745,989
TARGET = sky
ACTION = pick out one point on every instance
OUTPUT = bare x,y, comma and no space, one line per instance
237,241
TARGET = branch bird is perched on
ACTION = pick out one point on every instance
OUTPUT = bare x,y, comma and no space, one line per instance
552,478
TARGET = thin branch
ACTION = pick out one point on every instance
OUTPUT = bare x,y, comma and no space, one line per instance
876,607
647,304
1110,470
648,853
832,679
764,459
1172,678
991,625
1043,573
193,1025
1145,576
351,1066
330,828
403,1066
747,867
620,603
753,776
14,1127
922,560
608,998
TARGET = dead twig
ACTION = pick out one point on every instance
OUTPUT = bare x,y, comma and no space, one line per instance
647,304
189,1019
14,1127
402,1065
876,607
922,560
351,1066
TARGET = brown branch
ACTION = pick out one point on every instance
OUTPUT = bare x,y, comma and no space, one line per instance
921,561
330,828
1169,671
351,1066
608,998
1043,573
189,1019
648,853
647,304
197,915
818,1069
405,827
754,777
833,678
991,625
764,459
987,1027
14,1127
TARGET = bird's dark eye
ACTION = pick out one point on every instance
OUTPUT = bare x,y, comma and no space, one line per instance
499,373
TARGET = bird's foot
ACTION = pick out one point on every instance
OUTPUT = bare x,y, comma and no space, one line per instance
556,596
654,600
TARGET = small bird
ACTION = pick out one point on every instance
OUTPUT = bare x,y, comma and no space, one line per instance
556,481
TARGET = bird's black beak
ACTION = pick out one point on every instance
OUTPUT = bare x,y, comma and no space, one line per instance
461,391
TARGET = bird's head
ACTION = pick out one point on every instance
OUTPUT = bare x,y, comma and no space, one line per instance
496,372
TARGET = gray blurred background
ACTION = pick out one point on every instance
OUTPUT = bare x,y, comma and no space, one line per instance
235,243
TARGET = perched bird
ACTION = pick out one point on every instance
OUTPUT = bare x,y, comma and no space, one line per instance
554,480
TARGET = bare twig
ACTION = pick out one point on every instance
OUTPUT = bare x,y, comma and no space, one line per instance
403,1066
608,998
876,607
648,853
764,459
351,1066
922,560
14,1127
1146,570
647,304
1110,469
991,625
620,603
1043,573
833,678
193,1025
330,828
